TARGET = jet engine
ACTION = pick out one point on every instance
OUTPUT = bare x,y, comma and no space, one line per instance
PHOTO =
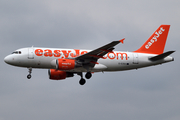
65,64
59,75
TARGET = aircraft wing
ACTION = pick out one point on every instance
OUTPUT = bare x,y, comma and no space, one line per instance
94,55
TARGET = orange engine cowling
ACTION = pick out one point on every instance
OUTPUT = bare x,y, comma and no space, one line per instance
59,75
65,64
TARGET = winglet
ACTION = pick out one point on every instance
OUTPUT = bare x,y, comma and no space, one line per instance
122,40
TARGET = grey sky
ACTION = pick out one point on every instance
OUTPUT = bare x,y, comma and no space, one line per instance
144,94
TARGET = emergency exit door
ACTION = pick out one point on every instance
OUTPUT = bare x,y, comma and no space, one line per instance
135,58
30,53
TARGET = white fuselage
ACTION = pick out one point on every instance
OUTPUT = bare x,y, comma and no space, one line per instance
35,57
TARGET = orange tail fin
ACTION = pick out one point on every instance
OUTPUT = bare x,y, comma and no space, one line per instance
156,43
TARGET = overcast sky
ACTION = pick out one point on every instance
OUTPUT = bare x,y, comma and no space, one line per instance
151,93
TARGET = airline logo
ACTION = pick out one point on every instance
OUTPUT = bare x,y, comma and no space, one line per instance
74,53
66,63
157,34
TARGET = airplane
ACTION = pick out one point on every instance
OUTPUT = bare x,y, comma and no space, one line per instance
64,63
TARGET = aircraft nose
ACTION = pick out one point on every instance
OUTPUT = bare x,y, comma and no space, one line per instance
7,59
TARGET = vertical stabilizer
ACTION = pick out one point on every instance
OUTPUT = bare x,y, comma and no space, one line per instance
156,43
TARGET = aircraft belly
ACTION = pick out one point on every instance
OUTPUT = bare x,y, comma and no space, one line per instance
116,65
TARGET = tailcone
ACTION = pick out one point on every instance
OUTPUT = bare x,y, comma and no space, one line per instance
168,59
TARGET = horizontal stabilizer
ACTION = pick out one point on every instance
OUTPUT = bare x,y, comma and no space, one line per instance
161,56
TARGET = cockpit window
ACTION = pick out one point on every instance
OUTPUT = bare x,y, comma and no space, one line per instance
16,52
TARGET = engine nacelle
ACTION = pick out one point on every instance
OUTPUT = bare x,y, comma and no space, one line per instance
65,64
58,75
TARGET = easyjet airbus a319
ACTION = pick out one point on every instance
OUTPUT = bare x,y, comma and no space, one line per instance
64,63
